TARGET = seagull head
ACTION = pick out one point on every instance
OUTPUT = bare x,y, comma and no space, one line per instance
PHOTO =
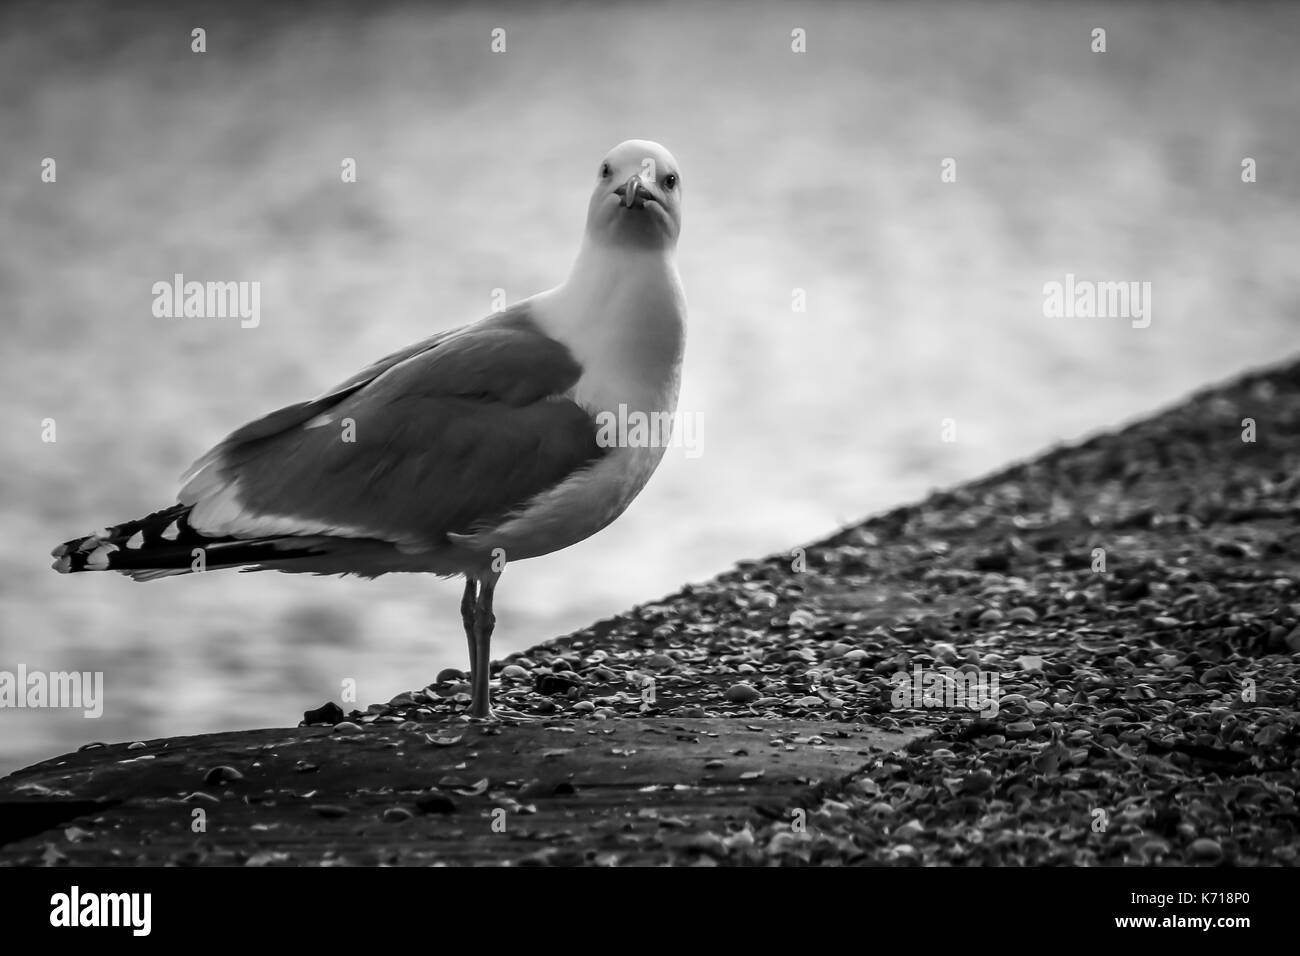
638,197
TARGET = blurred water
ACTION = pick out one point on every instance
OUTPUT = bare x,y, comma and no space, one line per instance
817,171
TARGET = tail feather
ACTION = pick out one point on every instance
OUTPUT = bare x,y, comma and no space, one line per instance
164,543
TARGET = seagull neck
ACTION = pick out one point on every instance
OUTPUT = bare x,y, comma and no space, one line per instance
622,314
619,292
602,269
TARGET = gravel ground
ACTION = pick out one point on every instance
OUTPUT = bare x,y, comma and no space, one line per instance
1146,706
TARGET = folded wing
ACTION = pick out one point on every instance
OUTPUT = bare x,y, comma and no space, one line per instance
449,435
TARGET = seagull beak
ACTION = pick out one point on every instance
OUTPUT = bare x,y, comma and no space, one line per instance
633,193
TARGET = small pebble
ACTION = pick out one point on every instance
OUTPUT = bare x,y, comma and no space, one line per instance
742,840
993,561
222,774
327,713
557,684
909,830
943,651
742,694
802,618
435,802
784,841
1292,640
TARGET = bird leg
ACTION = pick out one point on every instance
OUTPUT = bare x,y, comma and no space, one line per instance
484,621
467,616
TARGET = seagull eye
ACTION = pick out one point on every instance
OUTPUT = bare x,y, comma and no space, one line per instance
670,181
604,170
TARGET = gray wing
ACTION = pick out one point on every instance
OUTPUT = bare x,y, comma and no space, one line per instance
450,435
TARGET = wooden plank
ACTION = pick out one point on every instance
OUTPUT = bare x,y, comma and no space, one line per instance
555,792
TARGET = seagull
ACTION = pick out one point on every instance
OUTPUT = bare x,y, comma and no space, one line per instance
472,448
